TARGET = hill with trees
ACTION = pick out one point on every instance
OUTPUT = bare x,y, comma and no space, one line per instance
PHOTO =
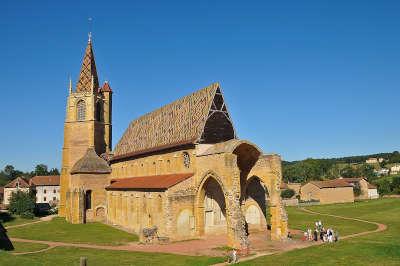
323,169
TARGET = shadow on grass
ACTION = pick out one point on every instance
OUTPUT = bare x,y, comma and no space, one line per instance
6,217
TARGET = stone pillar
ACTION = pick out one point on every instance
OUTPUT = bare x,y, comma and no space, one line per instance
236,222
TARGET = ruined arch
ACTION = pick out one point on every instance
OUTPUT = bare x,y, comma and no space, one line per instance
211,206
256,207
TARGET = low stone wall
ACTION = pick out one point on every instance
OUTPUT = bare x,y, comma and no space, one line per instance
290,202
391,196
308,203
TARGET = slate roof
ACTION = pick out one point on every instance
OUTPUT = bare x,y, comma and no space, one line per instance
91,163
23,183
148,182
51,180
179,123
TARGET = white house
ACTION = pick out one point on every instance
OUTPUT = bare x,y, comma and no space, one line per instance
395,169
18,183
47,188
372,192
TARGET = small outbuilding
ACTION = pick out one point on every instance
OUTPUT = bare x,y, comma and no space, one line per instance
326,192
368,191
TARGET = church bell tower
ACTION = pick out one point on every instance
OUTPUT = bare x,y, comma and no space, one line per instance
87,121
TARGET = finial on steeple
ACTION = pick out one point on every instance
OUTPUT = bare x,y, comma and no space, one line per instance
90,30
70,85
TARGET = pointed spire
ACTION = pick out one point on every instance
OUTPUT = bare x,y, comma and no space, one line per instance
88,76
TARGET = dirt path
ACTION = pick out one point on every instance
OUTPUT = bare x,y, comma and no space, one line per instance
42,219
380,227
198,246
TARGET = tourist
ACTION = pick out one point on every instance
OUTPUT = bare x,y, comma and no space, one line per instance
309,232
232,258
305,236
315,235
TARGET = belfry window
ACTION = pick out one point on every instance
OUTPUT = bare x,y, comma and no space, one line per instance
81,111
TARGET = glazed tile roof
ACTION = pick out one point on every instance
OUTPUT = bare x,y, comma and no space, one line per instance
51,180
331,183
148,182
23,183
180,122
88,70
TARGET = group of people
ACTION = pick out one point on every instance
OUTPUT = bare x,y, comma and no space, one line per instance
320,233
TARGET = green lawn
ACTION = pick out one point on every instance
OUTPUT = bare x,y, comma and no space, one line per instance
70,256
381,248
301,220
26,247
7,219
59,230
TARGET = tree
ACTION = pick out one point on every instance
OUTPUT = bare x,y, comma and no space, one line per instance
349,171
384,187
395,185
54,171
41,169
9,171
357,189
287,193
22,203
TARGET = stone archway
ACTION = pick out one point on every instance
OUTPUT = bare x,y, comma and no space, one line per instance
255,204
211,207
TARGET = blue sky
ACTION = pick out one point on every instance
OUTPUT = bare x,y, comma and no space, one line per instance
301,78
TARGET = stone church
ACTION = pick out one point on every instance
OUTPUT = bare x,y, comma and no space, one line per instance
181,168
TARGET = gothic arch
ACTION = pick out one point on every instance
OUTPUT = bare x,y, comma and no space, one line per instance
217,196
80,110
256,205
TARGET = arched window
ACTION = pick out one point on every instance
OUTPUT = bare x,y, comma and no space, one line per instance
88,200
81,110
99,111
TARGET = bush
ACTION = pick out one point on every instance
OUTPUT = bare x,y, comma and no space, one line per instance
27,215
395,185
22,203
357,189
287,193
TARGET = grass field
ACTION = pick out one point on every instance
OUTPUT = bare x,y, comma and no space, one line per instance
59,230
8,220
381,248
301,220
20,247
70,256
